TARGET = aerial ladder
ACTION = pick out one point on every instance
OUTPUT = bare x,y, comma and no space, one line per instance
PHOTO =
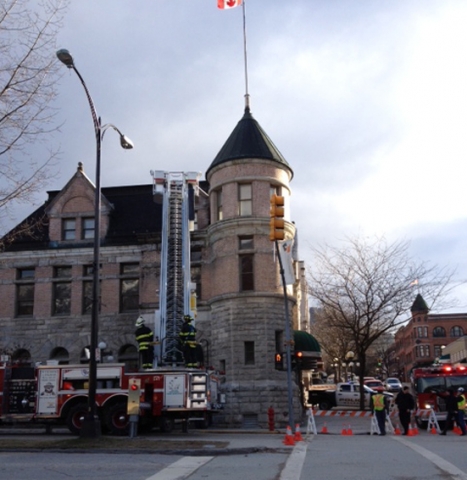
176,191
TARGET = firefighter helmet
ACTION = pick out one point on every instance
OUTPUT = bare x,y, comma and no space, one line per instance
187,318
139,322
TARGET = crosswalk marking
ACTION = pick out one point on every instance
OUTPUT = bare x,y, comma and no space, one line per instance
181,468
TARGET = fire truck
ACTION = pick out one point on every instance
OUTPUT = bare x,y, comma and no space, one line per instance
168,392
58,394
431,383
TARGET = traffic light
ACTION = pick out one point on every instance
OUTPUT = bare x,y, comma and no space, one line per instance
297,358
134,394
279,361
276,223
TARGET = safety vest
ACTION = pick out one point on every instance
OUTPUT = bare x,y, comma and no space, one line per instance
462,404
378,402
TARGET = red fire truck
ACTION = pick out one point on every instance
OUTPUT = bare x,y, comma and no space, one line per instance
58,394
430,382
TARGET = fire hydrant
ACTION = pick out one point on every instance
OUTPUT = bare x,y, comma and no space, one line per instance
271,419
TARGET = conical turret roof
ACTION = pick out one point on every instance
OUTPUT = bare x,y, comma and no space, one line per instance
419,305
248,140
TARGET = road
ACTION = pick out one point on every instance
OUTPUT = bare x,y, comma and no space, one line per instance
259,456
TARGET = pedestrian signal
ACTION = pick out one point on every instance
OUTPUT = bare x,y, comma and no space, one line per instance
279,361
276,223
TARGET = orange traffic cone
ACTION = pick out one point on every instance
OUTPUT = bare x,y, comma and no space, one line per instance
457,429
288,440
415,429
397,430
410,432
349,430
344,431
324,429
298,436
433,430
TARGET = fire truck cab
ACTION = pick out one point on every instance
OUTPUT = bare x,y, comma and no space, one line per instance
429,386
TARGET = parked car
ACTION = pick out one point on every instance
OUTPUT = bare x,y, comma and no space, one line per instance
393,384
376,385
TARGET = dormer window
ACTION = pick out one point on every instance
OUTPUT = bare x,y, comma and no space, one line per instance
87,229
69,229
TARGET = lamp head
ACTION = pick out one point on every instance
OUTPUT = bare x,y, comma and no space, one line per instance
126,143
65,57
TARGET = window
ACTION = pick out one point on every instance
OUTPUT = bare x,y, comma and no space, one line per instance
244,200
246,273
245,242
25,292
61,303
422,332
249,353
456,331
423,351
220,215
439,332
129,287
87,228
438,350
69,229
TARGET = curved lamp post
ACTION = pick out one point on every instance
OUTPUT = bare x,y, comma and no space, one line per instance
91,424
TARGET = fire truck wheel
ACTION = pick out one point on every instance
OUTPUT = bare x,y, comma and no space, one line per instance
116,419
166,424
75,417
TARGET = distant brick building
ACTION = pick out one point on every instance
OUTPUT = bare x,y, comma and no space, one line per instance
422,340
46,276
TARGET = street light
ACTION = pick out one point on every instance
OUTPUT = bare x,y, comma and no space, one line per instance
91,427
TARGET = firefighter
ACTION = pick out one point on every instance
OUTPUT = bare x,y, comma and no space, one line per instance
461,405
379,407
188,340
145,338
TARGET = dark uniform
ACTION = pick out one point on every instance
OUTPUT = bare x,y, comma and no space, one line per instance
145,339
405,403
188,340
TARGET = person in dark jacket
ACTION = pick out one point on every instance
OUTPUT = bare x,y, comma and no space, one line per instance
405,404
188,340
145,338
452,409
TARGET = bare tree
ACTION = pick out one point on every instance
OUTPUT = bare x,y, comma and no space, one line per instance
366,287
28,74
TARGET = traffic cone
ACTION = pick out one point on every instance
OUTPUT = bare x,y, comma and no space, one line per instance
433,430
415,429
457,429
397,430
344,431
349,430
298,436
410,432
288,440
324,429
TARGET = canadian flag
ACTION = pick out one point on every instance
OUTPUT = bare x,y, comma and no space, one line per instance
223,4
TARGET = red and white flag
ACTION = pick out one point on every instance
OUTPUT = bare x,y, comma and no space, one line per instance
223,4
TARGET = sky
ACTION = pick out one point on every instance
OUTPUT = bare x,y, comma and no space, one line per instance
365,99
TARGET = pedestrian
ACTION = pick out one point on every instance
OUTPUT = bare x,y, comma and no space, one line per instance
452,410
405,404
188,339
461,405
145,338
379,407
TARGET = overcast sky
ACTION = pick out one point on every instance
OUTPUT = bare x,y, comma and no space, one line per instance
366,100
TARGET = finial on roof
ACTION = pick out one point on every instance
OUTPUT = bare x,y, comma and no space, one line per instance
247,103
80,166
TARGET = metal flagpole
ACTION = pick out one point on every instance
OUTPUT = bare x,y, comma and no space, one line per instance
245,57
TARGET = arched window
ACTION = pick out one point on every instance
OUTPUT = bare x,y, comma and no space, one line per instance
21,356
439,332
456,331
61,355
128,354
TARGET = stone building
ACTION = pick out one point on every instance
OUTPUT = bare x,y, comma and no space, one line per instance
46,275
422,340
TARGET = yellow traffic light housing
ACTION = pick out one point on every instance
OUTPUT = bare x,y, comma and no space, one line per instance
276,223
134,394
